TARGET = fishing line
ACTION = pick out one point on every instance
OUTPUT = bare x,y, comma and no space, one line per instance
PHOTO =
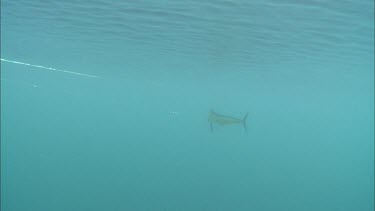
49,68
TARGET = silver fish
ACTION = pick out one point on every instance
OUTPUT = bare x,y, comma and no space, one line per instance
216,118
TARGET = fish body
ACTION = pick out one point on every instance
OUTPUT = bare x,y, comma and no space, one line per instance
216,118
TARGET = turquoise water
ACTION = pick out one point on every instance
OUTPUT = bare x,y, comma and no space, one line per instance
119,120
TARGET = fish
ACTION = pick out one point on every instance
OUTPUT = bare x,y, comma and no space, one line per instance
216,118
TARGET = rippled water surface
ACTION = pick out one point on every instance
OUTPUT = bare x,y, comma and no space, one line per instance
104,105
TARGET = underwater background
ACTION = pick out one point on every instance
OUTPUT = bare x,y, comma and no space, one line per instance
104,105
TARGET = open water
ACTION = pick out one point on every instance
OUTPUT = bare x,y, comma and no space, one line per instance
104,105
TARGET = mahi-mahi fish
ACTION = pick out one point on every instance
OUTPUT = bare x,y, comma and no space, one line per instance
216,118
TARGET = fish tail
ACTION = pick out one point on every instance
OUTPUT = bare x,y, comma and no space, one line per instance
244,121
